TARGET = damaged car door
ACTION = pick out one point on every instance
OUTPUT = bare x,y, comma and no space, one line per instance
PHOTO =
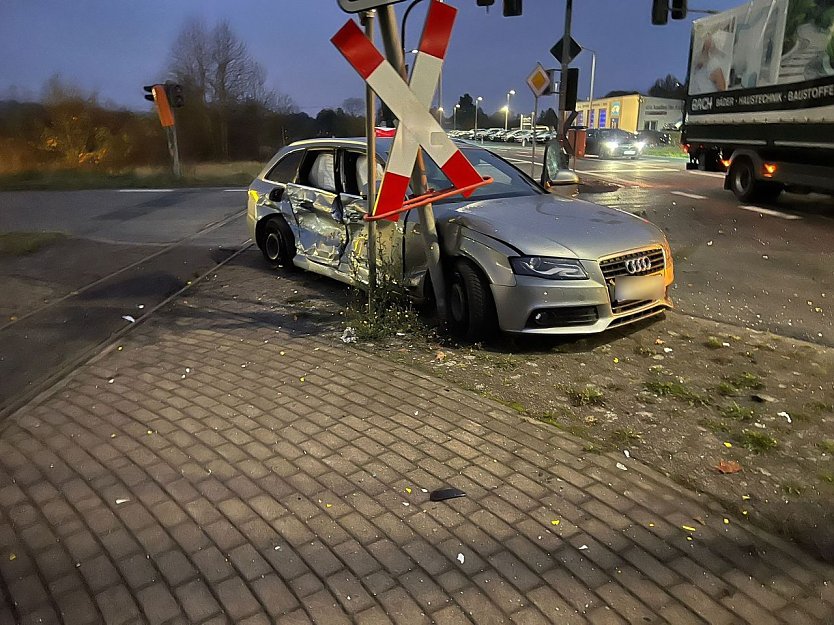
317,209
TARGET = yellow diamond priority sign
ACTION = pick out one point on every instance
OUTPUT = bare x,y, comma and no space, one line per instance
538,80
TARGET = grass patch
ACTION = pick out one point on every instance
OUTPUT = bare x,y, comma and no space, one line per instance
642,350
792,488
623,437
585,396
713,343
827,477
677,390
196,175
726,389
673,151
819,407
23,243
737,413
392,312
746,380
715,426
827,445
757,442
503,363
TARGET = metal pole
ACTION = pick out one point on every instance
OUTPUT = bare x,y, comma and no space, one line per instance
533,157
563,83
174,151
370,124
591,94
394,52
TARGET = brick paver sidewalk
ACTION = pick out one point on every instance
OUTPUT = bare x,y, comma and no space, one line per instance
221,469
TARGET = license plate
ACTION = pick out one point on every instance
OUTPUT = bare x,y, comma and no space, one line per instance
629,152
629,288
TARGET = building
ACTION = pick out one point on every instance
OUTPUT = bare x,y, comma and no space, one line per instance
633,112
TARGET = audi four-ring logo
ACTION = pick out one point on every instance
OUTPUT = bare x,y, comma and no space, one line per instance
638,265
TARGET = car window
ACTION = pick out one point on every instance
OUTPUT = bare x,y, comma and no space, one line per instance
319,170
355,173
508,181
286,170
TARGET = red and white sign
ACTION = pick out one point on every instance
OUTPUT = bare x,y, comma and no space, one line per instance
410,103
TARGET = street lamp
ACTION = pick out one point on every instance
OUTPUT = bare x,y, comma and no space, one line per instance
475,132
591,94
440,115
511,92
455,117
506,110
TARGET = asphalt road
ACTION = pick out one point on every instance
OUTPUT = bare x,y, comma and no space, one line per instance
767,267
125,252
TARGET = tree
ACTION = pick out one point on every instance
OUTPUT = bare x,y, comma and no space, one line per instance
618,93
354,106
668,87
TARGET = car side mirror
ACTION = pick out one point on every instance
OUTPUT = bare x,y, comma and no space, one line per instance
276,194
556,171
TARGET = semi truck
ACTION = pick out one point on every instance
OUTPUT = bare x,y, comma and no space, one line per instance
760,102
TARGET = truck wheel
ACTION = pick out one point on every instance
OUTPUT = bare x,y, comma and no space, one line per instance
743,180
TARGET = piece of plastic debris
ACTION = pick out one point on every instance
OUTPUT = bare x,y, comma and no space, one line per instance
119,348
709,243
301,378
689,538
622,467
744,512
129,318
424,490
727,444
784,414
659,341
12,557
111,380
583,547
616,360
725,344
408,490
150,432
282,353
348,336
140,306
121,501
461,558
440,356
667,350
651,524
555,522
745,497
442,494
726,521
328,505
728,467
689,528
626,453
406,504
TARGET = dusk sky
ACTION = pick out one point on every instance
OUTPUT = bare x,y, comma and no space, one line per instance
114,47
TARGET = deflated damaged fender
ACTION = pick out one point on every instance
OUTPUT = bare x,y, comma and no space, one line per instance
491,255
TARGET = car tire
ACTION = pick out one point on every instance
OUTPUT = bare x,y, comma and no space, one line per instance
278,244
471,308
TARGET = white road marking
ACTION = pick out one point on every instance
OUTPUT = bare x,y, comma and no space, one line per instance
693,196
767,211
145,190
627,170
524,161
234,190
714,174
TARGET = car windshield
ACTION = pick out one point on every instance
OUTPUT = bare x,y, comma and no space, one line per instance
616,135
507,180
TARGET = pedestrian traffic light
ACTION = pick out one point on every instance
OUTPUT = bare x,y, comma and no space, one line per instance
485,3
175,95
149,94
678,9
660,12
512,8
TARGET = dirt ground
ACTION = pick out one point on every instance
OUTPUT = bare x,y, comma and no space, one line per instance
744,416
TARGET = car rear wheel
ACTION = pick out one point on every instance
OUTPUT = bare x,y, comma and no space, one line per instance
471,309
278,244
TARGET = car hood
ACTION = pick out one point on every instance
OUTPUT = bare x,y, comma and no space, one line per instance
548,225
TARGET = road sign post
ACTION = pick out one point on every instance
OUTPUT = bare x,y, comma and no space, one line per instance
539,82
370,132
158,94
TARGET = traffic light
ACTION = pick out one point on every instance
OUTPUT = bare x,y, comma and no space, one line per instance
660,12
485,3
175,95
678,9
512,8
149,94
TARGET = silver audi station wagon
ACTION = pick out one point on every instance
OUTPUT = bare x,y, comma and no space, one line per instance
517,257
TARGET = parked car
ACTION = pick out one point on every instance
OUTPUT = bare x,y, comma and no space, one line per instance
612,143
653,138
517,258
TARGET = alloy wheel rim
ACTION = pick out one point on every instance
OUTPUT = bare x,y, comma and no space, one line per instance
273,246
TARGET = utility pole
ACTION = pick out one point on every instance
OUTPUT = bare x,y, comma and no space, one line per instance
563,84
370,131
394,52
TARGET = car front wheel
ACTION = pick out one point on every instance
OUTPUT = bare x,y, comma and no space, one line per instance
471,308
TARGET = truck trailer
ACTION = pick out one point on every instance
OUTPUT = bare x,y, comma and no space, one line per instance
760,103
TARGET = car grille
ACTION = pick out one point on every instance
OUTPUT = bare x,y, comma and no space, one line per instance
620,308
563,316
616,266
637,316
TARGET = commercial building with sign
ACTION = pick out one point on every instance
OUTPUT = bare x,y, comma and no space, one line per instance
632,112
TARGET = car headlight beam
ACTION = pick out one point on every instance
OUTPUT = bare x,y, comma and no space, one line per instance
548,268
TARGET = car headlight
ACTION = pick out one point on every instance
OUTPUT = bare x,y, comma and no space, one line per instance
612,145
550,268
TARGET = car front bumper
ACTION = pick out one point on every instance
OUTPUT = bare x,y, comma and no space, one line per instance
540,306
